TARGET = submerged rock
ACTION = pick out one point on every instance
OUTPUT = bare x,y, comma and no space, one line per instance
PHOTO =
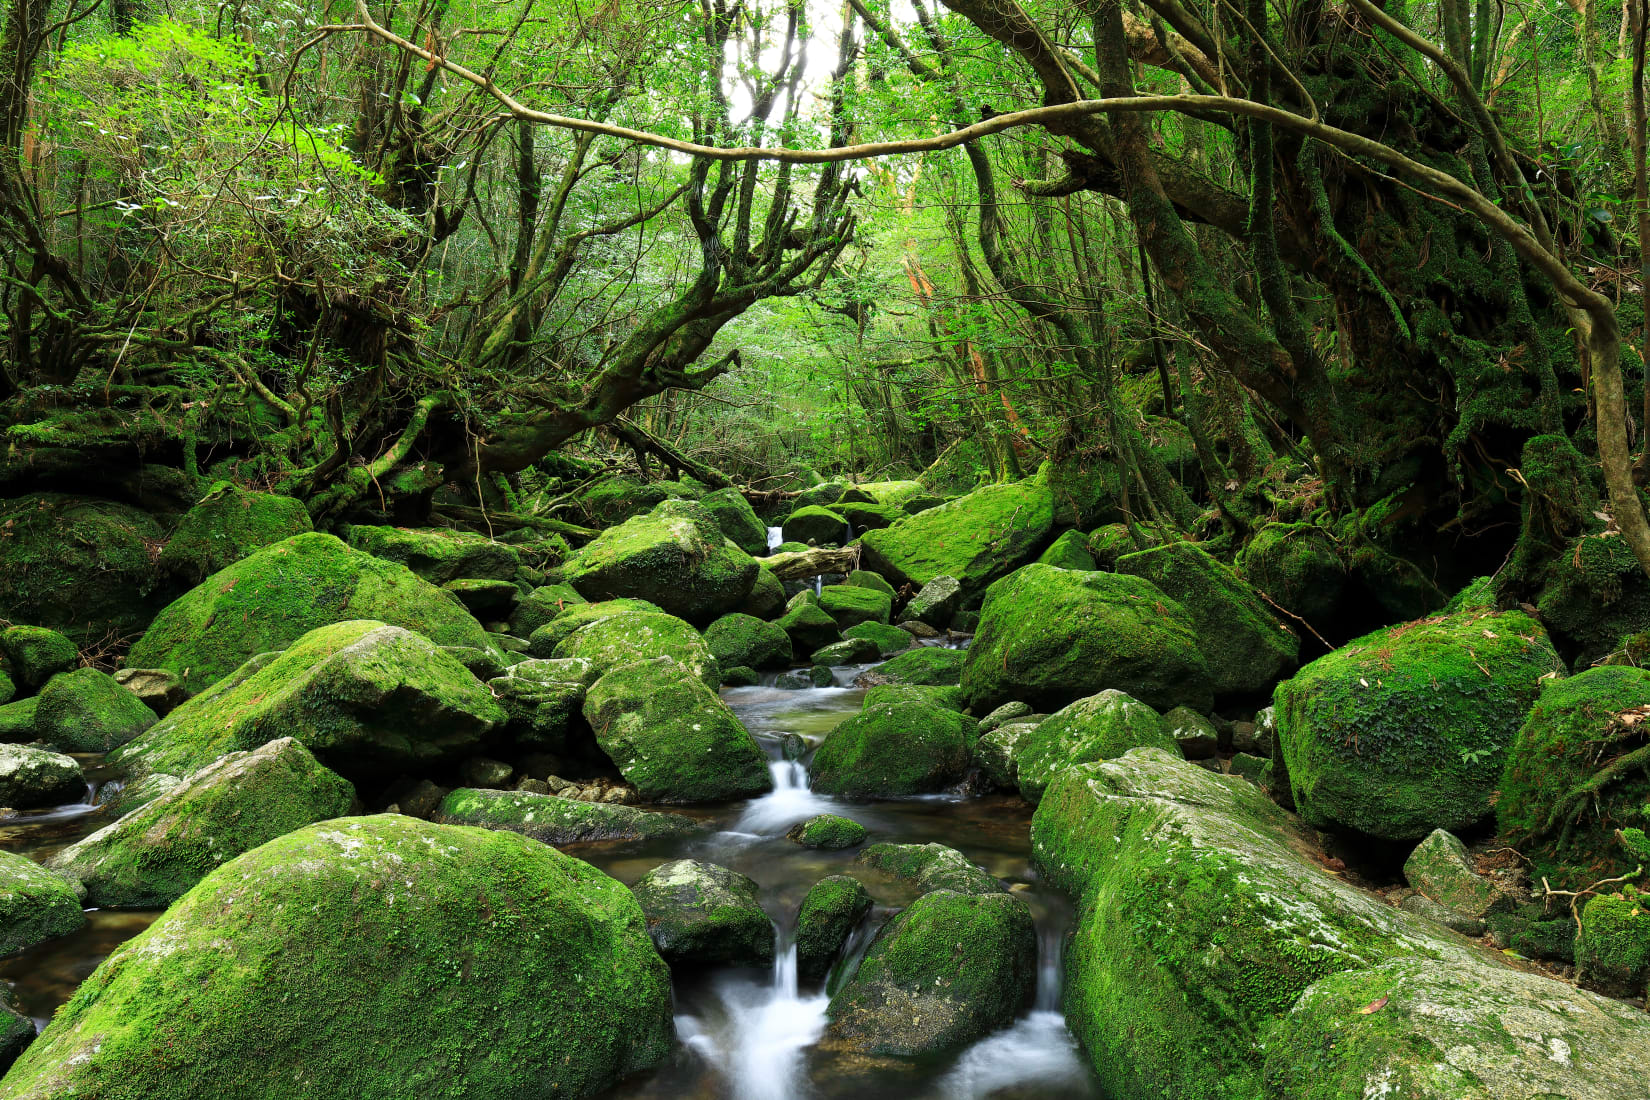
31,777
830,912
329,963
1101,727
559,821
704,914
901,743
87,711
675,556
35,906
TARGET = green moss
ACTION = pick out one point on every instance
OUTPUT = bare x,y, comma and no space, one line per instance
1100,727
439,555
675,556
1107,544
576,615
1477,596
370,959
616,499
616,640
1406,730
1613,946
1297,565
226,525
17,719
816,525
559,821
746,640
830,912
267,601
889,639
931,866
37,654
734,515
900,743
927,666
1069,551
809,627
976,538
868,517
8,689
702,913
1595,593
767,595
85,710
851,604
828,831
864,578
35,905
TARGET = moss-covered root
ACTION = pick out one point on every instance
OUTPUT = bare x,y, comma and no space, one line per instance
830,912
370,959
35,905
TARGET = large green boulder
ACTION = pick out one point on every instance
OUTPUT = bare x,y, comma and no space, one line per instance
1246,648
1569,783
370,958
949,969
366,698
635,636
559,821
737,519
672,737
767,595
35,906
926,666
1407,730
901,743
931,866
17,719
1613,942
852,604
912,496
675,556
1049,636
864,517
32,777
270,599
831,910
540,606
226,525
541,701
36,654
153,855
809,627
82,566
976,538
616,499
935,603
542,640
1297,565
704,914
439,554
746,640
889,639
1069,551
1101,727
85,710
816,525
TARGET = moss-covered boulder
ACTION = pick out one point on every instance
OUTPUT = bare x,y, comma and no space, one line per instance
865,578
226,525
852,604
31,777
85,710
1407,730
16,1029
385,936
83,566
559,821
160,689
1101,727
269,600
615,499
439,554
542,701
1613,943
1569,780
675,556
889,640
35,906
976,538
901,743
736,518
935,603
831,910
1069,551
829,831
863,517
947,970
35,654
925,666
1108,543
540,606
849,651
155,854
925,867
17,719
702,914
1440,868
543,640
809,627
1194,735
1297,565
1049,636
366,698
617,640
997,753
767,595
816,525
738,639
672,737
1246,647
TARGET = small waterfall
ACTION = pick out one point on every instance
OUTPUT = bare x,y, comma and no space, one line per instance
776,535
819,585
788,803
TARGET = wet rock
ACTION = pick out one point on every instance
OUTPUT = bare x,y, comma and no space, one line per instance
85,710
704,914
821,676
161,689
36,654
849,651
830,912
31,778
1440,869
35,905
556,820
1100,727
738,639
740,676
675,556
16,1029
809,627
929,867
827,831
900,743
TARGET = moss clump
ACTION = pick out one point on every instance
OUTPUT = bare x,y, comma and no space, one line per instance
465,961
736,518
816,525
267,601
362,696
947,970
900,743
439,555
675,556
976,538
930,866
1295,564
849,651
559,821
889,639
925,666
635,636
868,517
672,737
544,639
87,711
827,831
36,654
852,604
1406,730
226,525
738,639
830,912
1613,946
153,855
1100,727
1049,636
1069,551
85,567
809,627
1595,593
1107,544
35,905
702,913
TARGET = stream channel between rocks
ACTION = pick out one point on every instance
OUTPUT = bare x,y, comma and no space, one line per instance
745,1034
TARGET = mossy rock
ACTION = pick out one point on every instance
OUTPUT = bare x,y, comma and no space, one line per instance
672,737
1440,869
947,970
464,960
368,699
936,603
831,910
1613,944
827,831
17,719
864,578
912,496
997,753
269,600
925,867
868,517
635,636
900,744
1297,565
81,566
1069,551
559,821
736,518
8,689
613,500
1101,727
155,854
85,710
852,604
31,778
1596,593
1407,730
809,627
675,556
924,666
944,696
36,654
1008,712
35,906
542,701
740,676
817,496
704,914
540,606
816,525
849,651
226,525
889,639
1194,735
487,599
1245,646
976,538
1108,543
1049,636
767,595
1552,804
738,639
543,639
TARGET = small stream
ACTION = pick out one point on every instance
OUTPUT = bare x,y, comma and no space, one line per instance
746,1034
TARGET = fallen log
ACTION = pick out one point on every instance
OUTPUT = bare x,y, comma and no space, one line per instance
801,564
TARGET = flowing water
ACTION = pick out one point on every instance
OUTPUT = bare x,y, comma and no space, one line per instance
746,1034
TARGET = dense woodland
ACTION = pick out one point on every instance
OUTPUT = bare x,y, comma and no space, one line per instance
1123,528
